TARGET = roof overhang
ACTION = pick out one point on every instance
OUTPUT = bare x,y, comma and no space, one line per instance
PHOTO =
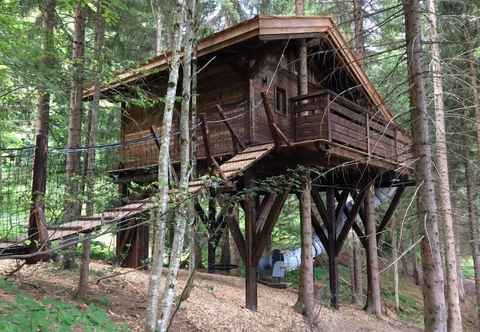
264,28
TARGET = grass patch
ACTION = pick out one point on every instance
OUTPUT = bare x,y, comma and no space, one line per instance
28,314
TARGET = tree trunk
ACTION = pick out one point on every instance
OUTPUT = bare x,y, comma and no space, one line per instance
396,290
185,170
39,182
73,203
302,90
84,267
93,114
356,260
306,252
469,177
163,171
374,304
473,222
445,204
433,291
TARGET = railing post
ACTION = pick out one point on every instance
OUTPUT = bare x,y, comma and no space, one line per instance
367,123
329,125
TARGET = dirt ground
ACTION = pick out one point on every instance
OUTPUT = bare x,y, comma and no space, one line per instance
216,302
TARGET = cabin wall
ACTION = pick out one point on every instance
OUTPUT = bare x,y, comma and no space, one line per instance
278,73
218,84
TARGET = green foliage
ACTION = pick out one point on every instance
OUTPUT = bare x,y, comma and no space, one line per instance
25,313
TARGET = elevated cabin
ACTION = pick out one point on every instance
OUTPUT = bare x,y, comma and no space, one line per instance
342,114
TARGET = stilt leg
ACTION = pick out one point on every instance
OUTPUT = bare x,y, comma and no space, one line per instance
332,237
251,266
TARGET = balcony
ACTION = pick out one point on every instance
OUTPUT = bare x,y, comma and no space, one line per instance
337,120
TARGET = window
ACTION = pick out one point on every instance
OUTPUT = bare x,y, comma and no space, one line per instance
280,100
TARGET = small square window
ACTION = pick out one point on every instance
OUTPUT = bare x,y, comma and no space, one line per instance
280,100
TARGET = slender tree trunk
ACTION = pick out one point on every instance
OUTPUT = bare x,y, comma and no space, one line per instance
93,114
356,260
185,208
85,266
163,171
445,204
473,222
469,174
374,305
302,90
396,289
73,203
433,291
39,182
306,254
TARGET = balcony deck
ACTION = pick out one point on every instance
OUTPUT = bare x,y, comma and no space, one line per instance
322,117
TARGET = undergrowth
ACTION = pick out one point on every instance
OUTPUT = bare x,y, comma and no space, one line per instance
25,313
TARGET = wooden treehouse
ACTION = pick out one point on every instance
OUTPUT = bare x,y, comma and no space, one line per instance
253,124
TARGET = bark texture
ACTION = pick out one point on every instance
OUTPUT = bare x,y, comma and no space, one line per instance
84,267
306,254
435,317
94,107
374,304
73,204
185,208
163,172
445,204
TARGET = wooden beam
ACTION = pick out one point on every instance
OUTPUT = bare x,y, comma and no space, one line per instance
270,222
342,200
264,211
237,236
352,215
206,144
360,235
391,209
276,132
200,213
332,258
235,137
319,230
317,199
250,240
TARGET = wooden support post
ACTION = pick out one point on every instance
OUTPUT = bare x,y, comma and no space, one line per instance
235,137
132,244
237,236
277,133
250,239
211,248
332,258
391,209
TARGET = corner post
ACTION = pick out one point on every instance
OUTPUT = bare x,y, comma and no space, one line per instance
250,234
332,258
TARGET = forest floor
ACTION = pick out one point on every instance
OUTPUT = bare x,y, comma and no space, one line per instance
216,302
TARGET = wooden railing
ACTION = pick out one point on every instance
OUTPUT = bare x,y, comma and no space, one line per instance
326,115
140,149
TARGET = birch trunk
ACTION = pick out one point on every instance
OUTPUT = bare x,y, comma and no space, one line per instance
163,171
445,204
73,204
433,290
185,208
395,266
93,114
